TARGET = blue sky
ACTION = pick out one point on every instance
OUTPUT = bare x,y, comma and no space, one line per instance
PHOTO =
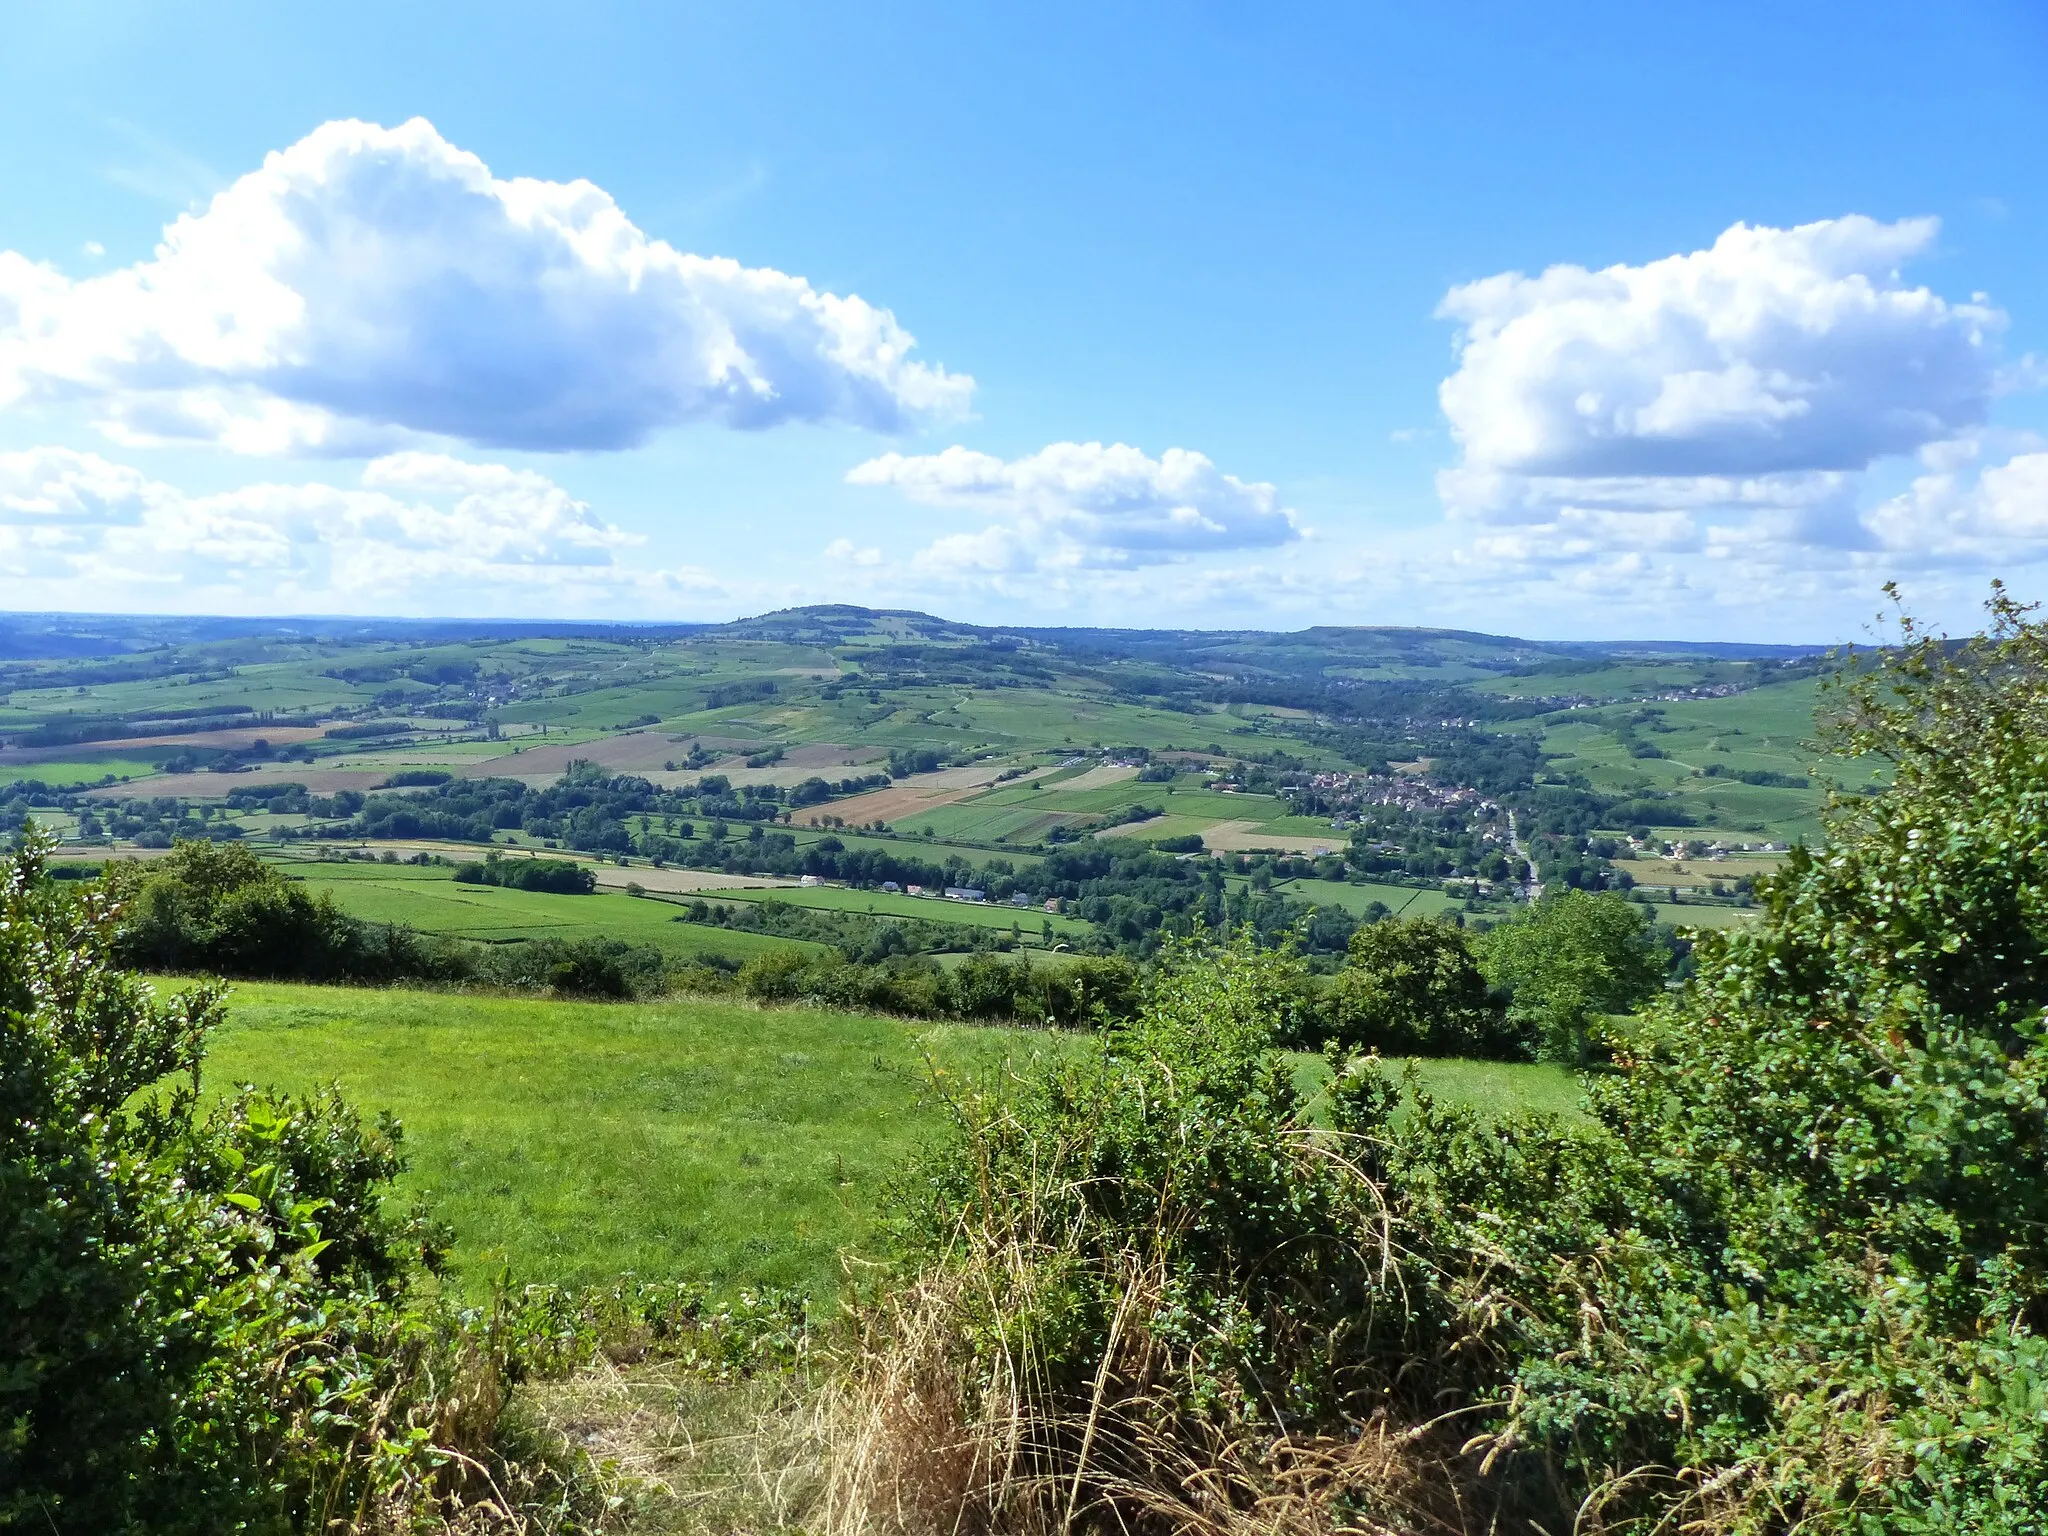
1202,314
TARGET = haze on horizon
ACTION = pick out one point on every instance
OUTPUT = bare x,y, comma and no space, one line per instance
1700,324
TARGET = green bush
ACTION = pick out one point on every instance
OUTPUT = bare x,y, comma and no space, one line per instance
1411,987
1080,992
1792,1279
218,908
203,1309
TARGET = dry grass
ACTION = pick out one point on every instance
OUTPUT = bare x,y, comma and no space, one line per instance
918,1448
675,1451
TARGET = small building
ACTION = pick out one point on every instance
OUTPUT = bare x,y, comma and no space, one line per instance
964,893
892,887
809,880
914,890
1052,904
1020,900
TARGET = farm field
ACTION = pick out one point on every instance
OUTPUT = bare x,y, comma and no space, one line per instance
1159,828
984,821
1697,872
1694,915
431,900
703,1139
1400,900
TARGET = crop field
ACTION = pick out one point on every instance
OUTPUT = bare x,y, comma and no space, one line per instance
1696,872
1254,836
430,900
982,821
701,1139
1400,900
1159,828
1696,915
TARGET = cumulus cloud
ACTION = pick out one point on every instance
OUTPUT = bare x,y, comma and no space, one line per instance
1702,425
846,552
419,527
1773,351
369,286
1080,505
1962,511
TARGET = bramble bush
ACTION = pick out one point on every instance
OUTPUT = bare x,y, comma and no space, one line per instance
203,1306
1788,1277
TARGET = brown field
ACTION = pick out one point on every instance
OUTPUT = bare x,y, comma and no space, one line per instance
898,800
1099,778
1246,837
908,797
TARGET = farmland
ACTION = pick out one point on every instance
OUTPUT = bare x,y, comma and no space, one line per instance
910,742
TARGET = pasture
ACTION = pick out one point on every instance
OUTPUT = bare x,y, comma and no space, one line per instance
429,899
691,1138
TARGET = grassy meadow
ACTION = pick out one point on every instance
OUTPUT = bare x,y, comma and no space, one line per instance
430,899
701,1138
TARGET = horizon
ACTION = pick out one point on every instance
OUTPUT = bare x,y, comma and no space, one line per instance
502,622
1355,317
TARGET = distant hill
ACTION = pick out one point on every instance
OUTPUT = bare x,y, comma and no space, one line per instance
1315,651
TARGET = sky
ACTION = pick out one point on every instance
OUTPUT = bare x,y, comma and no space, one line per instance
1580,321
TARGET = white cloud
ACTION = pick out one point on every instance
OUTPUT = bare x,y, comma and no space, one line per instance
845,552
1701,427
1774,351
1959,512
1081,505
371,285
421,530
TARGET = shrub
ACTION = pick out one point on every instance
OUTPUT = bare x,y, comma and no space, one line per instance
203,1308
1791,1280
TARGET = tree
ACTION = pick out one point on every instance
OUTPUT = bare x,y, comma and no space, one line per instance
1411,986
1567,960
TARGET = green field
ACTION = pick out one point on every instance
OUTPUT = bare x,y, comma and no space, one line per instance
79,770
1764,728
1401,900
430,899
979,821
570,1141
1696,915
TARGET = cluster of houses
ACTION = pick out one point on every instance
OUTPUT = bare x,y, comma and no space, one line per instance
1407,792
